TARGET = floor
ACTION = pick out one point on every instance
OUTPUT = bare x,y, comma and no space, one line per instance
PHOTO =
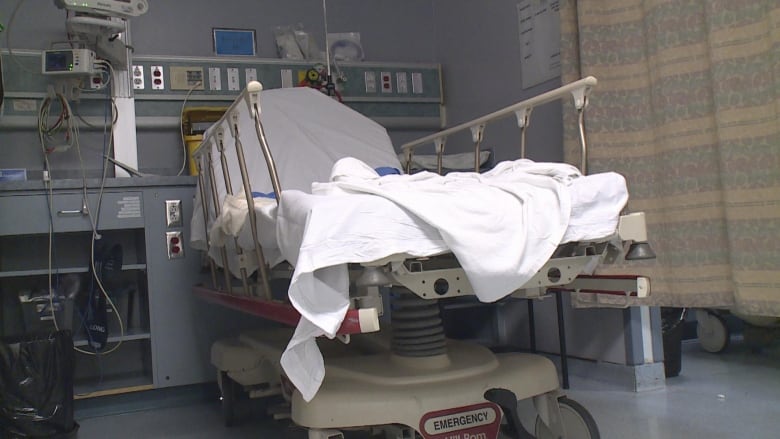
735,394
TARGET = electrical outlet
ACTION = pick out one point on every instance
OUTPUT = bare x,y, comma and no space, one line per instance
387,82
138,77
174,244
158,81
173,213
96,82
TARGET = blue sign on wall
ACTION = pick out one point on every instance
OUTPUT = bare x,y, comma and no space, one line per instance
234,42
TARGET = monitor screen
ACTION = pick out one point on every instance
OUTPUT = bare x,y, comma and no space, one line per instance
59,61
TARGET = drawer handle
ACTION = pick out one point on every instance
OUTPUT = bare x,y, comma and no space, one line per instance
72,212
83,211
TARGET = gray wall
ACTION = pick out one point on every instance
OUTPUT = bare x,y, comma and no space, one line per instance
397,30
391,31
476,43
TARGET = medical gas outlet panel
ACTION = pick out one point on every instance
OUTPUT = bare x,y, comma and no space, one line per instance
397,95
204,76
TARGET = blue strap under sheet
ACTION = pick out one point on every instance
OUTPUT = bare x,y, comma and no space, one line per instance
271,195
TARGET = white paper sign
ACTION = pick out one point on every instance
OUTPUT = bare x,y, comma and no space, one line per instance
540,41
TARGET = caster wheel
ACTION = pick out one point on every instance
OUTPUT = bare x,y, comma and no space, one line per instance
577,422
228,391
712,331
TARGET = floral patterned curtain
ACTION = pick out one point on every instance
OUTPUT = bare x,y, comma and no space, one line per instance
688,109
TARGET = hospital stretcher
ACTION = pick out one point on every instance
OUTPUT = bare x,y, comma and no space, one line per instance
291,193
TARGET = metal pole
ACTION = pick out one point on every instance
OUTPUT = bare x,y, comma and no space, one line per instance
215,203
476,135
204,204
531,325
562,338
269,158
583,142
250,202
229,190
522,142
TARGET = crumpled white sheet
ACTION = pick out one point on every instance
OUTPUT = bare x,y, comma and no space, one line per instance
307,133
502,225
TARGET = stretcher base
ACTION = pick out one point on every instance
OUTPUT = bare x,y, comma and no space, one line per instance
366,385
385,389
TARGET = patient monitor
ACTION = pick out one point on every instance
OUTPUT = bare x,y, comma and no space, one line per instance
106,8
100,25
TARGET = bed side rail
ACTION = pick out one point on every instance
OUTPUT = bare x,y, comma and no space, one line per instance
207,178
579,91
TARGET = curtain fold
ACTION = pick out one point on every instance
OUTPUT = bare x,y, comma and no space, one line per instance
688,109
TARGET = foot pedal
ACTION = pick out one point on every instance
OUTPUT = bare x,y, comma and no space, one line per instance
507,400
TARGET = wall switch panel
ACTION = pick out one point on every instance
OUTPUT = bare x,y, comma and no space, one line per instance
401,84
157,78
417,83
370,78
250,74
215,78
138,78
186,78
173,213
287,78
232,79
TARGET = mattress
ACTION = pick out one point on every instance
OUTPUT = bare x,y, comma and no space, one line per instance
362,227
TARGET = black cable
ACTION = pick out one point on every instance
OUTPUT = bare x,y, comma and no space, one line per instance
2,84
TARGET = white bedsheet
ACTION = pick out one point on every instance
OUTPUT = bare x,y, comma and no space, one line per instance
307,133
502,226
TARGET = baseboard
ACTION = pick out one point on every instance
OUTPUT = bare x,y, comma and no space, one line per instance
637,378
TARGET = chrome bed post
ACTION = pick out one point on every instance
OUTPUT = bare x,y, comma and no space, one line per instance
202,189
579,90
215,203
253,89
229,190
250,202
523,119
439,155
580,96
477,132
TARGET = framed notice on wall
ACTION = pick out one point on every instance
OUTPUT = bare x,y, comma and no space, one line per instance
233,42
540,41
